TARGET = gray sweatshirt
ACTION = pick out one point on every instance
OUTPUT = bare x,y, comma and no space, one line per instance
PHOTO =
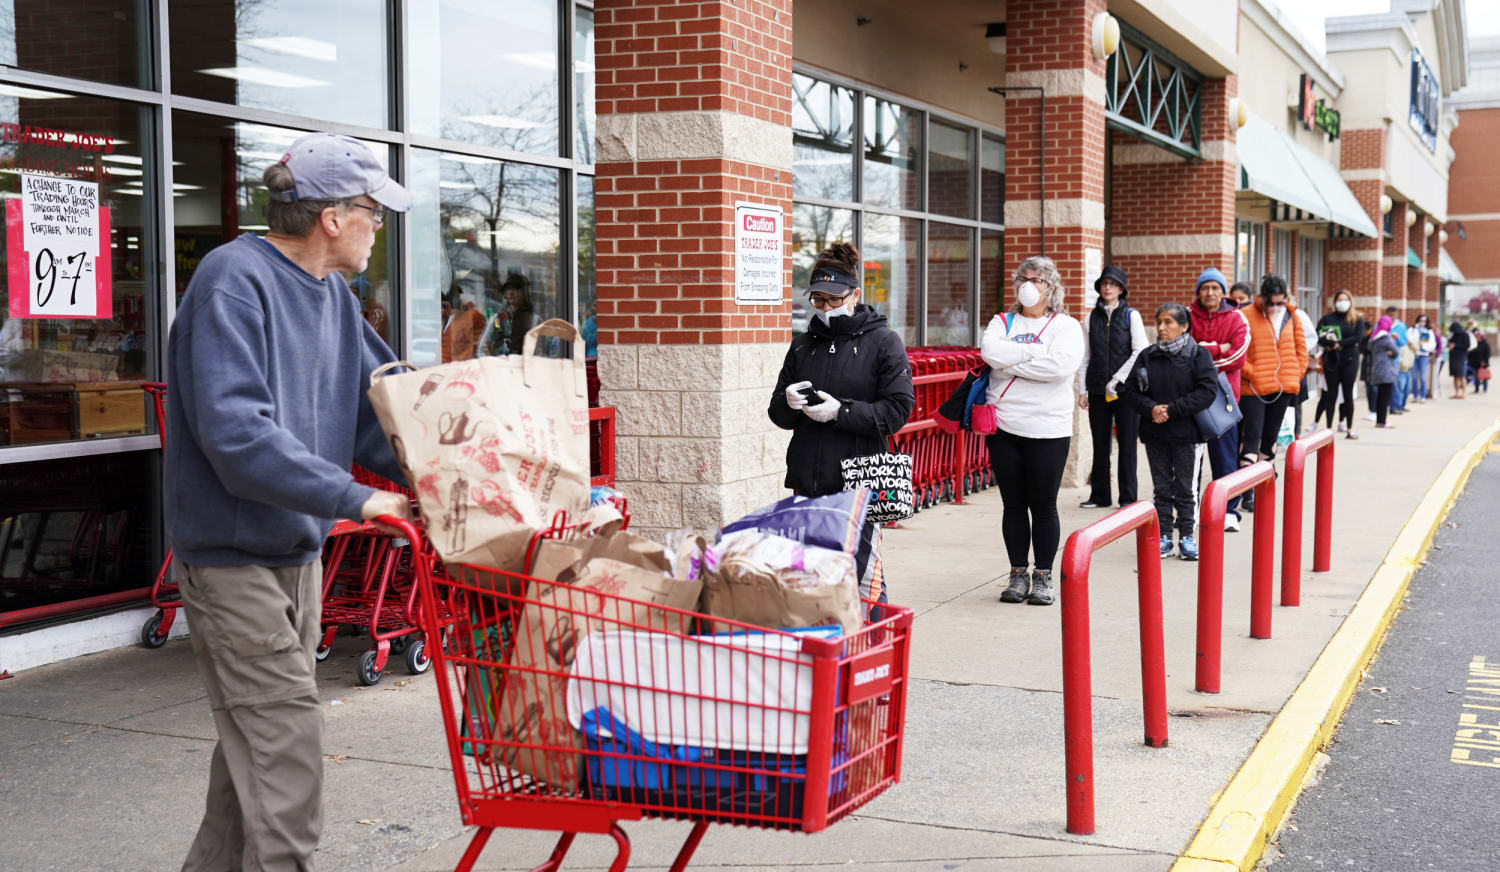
267,369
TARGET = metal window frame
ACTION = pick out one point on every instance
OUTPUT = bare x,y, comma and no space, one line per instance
977,226
1169,99
163,104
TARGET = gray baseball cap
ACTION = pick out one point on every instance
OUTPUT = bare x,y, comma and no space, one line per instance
327,166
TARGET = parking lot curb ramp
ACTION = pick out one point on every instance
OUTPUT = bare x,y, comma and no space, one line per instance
1249,811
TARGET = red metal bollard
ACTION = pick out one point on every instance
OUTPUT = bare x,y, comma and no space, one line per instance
1320,443
1078,716
1261,477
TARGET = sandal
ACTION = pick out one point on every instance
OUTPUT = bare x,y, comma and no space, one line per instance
1350,435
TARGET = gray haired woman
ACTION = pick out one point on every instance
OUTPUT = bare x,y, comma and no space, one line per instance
1033,351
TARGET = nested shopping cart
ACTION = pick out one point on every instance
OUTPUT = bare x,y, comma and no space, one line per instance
164,593
573,708
369,585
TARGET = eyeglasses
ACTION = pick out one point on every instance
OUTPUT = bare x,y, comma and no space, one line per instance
824,301
377,213
1036,280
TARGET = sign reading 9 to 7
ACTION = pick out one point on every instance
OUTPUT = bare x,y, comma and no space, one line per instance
57,241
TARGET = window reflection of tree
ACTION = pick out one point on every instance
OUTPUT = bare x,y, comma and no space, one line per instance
823,136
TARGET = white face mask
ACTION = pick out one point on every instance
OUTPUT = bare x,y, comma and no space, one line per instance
1276,310
1342,305
841,312
1028,295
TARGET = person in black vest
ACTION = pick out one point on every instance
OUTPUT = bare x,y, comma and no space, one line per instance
1116,335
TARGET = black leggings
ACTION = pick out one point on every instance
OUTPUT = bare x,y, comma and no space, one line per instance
1340,380
1029,472
1262,423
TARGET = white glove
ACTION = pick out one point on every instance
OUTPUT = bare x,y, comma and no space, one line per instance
825,411
794,399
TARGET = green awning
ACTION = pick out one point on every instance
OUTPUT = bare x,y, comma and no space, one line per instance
1273,165
1448,270
1412,260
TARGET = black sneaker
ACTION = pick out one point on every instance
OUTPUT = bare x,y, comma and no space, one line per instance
1041,588
1092,503
1019,587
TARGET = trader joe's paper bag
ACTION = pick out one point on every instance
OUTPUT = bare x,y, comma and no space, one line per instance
532,718
493,446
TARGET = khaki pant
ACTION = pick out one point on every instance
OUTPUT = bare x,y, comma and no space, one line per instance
254,631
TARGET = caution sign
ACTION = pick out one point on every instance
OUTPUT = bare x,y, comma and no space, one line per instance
758,246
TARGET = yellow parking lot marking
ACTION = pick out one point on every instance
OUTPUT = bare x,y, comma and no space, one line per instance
1476,741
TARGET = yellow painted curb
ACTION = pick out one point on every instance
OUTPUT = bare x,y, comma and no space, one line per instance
1250,809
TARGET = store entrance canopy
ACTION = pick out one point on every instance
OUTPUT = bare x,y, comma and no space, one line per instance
1273,165
1448,270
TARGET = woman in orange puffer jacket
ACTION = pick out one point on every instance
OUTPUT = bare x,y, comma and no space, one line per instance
1273,369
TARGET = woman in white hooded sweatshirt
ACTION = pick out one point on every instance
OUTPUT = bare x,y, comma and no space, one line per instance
1034,350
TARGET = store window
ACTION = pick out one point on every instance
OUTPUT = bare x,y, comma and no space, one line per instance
485,73
486,238
992,180
1281,256
814,229
950,170
324,60
950,284
1250,250
893,155
893,258
588,287
79,181
96,40
1311,265
583,85
823,139
217,196
921,271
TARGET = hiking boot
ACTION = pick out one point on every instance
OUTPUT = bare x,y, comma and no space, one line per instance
1166,545
1041,588
1187,548
1019,587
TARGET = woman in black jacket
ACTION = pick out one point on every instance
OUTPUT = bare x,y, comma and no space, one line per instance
845,387
1171,382
1340,333
1459,343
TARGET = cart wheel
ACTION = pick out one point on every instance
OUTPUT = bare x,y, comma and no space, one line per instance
322,653
368,675
149,638
417,661
398,645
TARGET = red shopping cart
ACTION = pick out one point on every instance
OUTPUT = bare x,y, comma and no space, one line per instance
571,708
164,593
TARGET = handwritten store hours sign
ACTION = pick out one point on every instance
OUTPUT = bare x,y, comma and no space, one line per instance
57,250
757,254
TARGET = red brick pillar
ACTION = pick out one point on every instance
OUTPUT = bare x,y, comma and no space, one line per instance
1416,278
1171,218
1393,266
1050,42
1354,265
694,102
1434,246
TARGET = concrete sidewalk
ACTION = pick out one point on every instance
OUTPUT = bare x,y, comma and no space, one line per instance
106,757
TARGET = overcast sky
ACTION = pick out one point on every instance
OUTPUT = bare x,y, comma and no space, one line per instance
1308,15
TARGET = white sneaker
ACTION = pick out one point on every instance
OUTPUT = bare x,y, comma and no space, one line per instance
1231,522
1370,416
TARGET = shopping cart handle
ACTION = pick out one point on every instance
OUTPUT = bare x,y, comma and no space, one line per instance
407,528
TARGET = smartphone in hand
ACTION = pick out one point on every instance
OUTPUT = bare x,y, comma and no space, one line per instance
811,395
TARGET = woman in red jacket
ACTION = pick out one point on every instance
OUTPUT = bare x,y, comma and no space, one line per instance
1219,327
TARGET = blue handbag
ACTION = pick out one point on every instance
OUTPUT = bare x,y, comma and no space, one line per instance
1222,414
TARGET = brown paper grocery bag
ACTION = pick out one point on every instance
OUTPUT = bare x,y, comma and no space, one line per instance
493,447
532,707
752,593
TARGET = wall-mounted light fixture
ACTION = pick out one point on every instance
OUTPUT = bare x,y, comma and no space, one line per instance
1106,35
994,34
1411,217
1442,237
1386,203
1427,229
1239,113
